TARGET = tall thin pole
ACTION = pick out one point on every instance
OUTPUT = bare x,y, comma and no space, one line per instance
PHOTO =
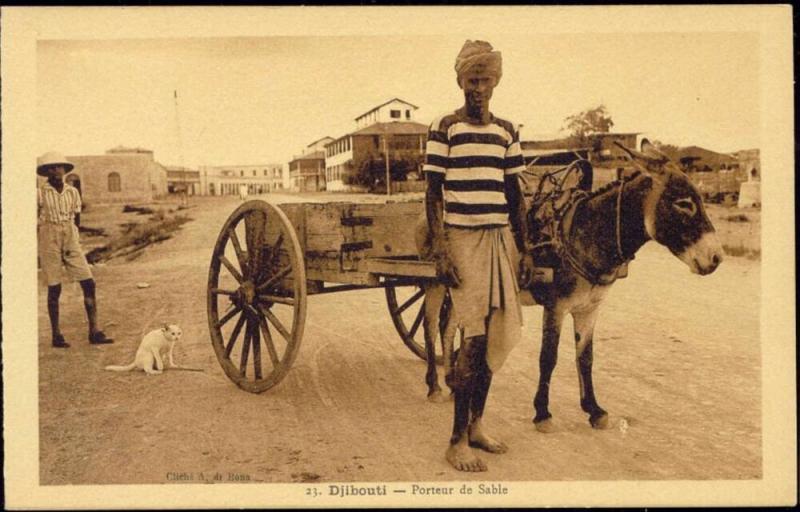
386,159
180,150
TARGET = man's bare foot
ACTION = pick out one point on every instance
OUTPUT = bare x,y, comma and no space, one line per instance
460,456
478,439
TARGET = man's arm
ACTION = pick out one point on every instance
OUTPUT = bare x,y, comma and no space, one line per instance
516,210
519,225
515,164
78,208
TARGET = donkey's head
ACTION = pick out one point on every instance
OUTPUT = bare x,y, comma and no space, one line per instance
674,214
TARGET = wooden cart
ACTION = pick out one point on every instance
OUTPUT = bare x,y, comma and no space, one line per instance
268,259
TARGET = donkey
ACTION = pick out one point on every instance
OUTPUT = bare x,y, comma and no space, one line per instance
599,234
606,229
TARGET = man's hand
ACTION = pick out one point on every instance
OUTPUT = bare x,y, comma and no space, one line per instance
525,271
446,271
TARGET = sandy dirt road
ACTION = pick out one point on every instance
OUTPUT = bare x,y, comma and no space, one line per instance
676,357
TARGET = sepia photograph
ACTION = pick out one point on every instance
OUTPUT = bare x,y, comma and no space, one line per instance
329,257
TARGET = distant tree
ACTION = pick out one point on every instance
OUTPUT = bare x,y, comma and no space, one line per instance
372,172
582,125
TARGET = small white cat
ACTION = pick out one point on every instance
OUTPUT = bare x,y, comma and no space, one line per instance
154,345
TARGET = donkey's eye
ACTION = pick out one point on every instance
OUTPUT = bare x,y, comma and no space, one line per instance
685,206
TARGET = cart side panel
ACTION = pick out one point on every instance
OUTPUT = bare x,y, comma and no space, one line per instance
337,238
383,230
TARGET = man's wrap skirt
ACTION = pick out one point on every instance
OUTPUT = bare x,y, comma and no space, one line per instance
486,302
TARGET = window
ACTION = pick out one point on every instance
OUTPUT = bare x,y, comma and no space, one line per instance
265,173
394,114
241,173
408,114
114,182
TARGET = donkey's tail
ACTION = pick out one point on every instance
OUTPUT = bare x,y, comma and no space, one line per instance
122,368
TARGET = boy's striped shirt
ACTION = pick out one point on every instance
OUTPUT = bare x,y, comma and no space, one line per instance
55,207
474,159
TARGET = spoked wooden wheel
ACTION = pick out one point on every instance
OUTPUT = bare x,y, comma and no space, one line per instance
256,296
406,307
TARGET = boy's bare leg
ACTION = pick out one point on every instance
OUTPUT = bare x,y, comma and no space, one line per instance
53,296
90,303
96,336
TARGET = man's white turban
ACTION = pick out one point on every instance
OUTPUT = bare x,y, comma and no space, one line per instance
475,55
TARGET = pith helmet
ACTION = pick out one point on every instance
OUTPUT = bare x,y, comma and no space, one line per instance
51,159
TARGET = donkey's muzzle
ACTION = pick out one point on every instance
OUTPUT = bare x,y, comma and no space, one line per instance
705,255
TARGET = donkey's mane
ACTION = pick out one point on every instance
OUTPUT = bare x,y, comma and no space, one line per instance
612,185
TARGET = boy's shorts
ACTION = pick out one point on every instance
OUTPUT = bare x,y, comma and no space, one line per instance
59,246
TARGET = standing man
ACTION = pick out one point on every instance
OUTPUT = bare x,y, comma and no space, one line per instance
472,164
59,206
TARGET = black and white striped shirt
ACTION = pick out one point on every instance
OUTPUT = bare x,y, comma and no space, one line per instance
474,159
55,207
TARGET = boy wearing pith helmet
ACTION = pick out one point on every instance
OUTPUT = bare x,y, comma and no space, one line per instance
476,217
59,208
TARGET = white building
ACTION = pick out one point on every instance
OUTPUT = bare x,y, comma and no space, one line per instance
218,180
388,128
393,110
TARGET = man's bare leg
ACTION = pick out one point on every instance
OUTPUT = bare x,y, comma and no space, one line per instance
477,437
483,381
462,381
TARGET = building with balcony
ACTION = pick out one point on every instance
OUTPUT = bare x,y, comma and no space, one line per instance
307,172
221,180
393,110
385,136
182,180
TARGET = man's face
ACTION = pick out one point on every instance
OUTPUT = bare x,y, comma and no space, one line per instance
478,86
56,173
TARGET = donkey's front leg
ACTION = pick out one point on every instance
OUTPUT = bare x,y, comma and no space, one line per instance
551,331
584,322
447,335
434,300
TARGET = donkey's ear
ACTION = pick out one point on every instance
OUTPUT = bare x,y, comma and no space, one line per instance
631,152
641,161
652,153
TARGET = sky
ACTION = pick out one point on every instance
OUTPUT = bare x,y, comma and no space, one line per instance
255,100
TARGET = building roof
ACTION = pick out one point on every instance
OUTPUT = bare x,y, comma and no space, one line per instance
316,155
394,128
384,104
613,134
123,149
320,140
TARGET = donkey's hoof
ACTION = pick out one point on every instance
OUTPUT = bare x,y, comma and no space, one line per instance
599,422
436,396
545,426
